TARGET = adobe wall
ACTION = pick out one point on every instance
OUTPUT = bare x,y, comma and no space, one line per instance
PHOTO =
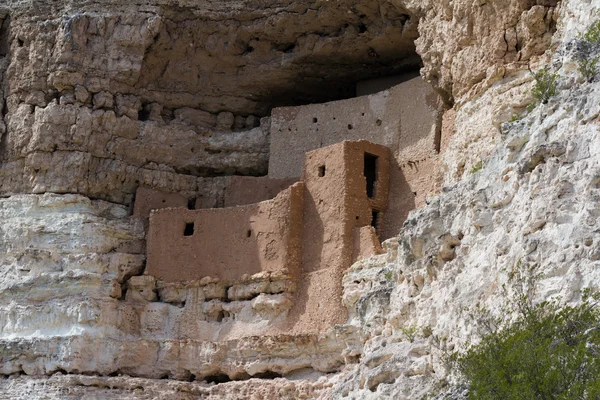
359,205
229,191
404,118
147,199
227,243
244,190
309,234
335,202
365,243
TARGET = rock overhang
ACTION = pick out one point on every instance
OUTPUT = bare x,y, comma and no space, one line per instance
243,57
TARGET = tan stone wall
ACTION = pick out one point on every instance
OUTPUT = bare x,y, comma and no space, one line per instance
244,190
335,195
227,243
405,118
359,205
147,199
229,191
365,243
311,233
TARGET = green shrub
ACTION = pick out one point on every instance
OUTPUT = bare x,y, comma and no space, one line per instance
516,117
546,351
588,67
477,167
545,85
530,107
410,331
592,35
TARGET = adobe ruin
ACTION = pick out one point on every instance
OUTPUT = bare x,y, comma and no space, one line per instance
342,177
308,234
406,118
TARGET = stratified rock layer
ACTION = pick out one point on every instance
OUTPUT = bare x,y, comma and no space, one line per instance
74,301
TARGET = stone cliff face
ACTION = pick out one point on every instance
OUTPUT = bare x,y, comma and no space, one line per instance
98,99
102,97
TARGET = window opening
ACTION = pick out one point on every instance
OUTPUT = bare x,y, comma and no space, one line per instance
375,219
191,204
370,173
189,229
321,171
4,36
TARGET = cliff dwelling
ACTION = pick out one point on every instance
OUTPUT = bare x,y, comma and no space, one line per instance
342,177
293,199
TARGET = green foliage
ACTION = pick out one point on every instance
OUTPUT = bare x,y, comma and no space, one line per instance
592,35
477,167
410,332
547,351
516,117
530,107
588,67
389,275
545,85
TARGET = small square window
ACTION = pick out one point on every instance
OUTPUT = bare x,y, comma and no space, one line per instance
189,229
321,171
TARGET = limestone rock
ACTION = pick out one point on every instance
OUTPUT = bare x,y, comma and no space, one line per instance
101,99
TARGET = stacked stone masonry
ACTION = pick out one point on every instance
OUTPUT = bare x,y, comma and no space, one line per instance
305,235
101,98
337,210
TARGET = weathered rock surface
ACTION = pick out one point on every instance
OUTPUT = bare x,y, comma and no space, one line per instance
102,97
73,387
73,297
480,40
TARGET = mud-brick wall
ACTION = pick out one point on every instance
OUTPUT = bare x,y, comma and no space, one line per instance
405,118
335,201
227,243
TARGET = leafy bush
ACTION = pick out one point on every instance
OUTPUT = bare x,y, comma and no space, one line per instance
592,35
545,85
477,167
516,117
410,331
546,352
588,67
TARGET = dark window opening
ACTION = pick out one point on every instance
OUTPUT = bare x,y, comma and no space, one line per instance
219,378
4,35
375,219
267,375
189,229
249,233
370,173
144,113
321,171
192,204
